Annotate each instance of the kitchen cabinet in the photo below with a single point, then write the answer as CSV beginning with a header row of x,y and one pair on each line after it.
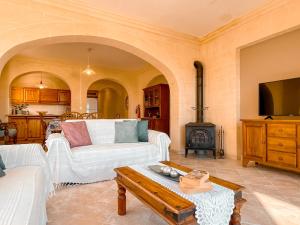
x,y
64,97
34,128
17,95
48,96
298,146
29,127
21,126
31,95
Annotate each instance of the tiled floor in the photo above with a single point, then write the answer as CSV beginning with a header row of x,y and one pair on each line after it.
x,y
273,197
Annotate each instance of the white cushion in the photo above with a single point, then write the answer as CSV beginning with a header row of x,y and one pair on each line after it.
x,y
101,131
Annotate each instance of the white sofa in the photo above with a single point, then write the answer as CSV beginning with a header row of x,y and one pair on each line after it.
x,y
87,164
26,186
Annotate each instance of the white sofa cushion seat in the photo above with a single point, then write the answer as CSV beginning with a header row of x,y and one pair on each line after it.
x,y
23,194
98,161
108,153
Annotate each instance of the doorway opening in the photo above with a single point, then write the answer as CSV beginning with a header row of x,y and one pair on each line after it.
x,y
108,98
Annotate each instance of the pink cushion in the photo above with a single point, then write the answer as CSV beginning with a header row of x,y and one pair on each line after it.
x,y
76,133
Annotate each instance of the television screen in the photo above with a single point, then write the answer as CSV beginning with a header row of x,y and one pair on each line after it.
x,y
280,98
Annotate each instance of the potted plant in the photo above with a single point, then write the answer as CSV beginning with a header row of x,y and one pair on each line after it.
x,y
19,108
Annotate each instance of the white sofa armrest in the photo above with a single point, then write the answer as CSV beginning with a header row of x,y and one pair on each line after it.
x,y
23,155
59,154
27,155
163,142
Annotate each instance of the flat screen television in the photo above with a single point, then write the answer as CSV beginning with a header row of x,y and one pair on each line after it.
x,y
280,98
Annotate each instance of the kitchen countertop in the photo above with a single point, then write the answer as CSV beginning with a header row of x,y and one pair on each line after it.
x,y
33,115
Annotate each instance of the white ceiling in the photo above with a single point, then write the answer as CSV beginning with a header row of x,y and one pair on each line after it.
x,y
101,56
195,17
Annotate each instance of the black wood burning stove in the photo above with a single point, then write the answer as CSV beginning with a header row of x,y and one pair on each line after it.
x,y
200,135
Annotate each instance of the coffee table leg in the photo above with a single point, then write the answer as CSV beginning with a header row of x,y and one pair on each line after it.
x,y
236,217
121,200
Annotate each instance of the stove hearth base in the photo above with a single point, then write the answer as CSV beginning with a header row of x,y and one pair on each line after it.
x,y
204,150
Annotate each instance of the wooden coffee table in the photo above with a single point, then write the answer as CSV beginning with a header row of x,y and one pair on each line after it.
x,y
170,206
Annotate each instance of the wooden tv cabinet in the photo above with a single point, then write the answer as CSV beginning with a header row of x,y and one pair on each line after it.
x,y
273,143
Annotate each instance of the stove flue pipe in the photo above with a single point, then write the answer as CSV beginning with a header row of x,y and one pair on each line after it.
x,y
199,94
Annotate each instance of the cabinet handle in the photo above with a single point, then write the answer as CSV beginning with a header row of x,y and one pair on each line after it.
x,y
280,158
280,144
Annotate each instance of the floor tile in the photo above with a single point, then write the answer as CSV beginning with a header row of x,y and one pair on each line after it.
x,y
273,197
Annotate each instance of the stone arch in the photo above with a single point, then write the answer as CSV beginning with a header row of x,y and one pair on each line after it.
x,y
126,45
97,79
92,39
157,79
129,88
16,76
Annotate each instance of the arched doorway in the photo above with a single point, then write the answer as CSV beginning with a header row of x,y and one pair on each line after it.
x,y
108,98
131,47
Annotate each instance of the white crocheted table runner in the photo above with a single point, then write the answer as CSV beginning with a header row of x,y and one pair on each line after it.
x,y
212,208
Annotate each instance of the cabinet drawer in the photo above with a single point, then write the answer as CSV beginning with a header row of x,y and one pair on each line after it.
x,y
282,158
282,144
281,130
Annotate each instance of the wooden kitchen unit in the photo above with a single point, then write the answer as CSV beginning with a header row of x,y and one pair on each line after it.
x,y
31,95
64,97
19,95
29,127
48,96
273,143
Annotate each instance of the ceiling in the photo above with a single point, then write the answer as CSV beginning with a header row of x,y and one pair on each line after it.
x,y
77,53
194,17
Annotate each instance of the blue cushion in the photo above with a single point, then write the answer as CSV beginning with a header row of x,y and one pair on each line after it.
x,y
2,166
142,128
126,132
2,173
2,133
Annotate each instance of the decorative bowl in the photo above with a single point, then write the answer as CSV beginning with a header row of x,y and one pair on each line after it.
x,y
167,170
172,175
